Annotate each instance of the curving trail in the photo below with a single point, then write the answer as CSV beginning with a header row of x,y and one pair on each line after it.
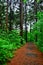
x,y
27,55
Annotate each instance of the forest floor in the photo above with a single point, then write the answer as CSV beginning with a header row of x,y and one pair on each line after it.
x,y
27,55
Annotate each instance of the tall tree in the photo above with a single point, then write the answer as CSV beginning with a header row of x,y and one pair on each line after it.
x,y
10,16
35,11
26,22
7,16
21,20
2,13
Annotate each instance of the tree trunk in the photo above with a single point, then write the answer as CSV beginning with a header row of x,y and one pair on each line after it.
x,y
21,20
7,17
0,24
25,23
35,8
10,22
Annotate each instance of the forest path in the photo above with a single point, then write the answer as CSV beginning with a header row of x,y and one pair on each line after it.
x,y
27,55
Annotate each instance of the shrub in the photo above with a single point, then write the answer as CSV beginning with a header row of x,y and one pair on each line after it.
x,y
30,37
38,30
5,51
9,42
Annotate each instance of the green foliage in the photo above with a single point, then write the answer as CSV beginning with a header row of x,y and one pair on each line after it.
x,y
38,1
9,42
24,1
5,51
40,15
30,37
38,30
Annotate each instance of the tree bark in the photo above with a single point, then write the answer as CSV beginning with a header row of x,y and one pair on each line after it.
x,y
35,8
21,20
10,22
25,23
7,17
0,24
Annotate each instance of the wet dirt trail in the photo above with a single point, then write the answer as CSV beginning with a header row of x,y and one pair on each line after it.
x,y
27,55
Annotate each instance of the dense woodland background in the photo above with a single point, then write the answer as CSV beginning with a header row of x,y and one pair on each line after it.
x,y
21,21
